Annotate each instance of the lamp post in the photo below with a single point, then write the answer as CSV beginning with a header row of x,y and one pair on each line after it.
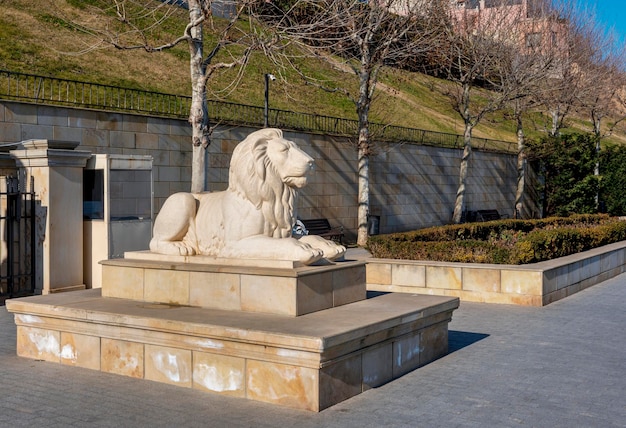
x,y
266,110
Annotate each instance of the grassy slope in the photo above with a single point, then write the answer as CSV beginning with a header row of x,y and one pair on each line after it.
x,y
33,40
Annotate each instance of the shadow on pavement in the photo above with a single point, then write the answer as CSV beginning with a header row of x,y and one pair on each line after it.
x,y
456,339
372,294
460,339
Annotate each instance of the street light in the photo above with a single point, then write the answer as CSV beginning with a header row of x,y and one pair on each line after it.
x,y
266,110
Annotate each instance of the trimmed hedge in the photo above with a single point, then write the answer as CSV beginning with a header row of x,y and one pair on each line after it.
x,y
502,241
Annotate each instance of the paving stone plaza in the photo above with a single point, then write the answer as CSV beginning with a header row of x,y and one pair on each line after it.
x,y
562,365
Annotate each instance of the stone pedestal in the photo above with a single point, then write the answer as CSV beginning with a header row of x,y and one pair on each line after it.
x,y
219,284
308,362
58,173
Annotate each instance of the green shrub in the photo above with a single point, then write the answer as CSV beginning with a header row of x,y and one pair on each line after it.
x,y
567,165
503,241
613,181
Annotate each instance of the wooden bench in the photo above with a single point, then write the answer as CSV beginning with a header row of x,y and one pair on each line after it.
x,y
321,227
488,215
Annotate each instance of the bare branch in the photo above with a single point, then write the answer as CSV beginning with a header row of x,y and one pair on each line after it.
x,y
147,25
360,37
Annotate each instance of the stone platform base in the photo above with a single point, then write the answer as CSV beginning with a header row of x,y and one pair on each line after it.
x,y
308,362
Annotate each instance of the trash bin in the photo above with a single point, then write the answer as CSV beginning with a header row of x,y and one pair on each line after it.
x,y
373,225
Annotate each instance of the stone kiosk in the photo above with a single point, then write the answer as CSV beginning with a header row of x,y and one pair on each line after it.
x,y
227,301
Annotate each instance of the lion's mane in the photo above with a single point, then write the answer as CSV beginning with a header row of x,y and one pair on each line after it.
x,y
253,177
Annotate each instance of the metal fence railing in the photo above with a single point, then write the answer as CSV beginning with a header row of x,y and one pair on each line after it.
x,y
51,90
24,87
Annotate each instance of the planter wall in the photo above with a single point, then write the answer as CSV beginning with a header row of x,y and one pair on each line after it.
x,y
536,284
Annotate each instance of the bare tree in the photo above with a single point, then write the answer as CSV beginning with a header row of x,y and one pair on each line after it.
x,y
478,56
526,78
620,111
361,38
537,60
589,74
602,78
138,24
585,66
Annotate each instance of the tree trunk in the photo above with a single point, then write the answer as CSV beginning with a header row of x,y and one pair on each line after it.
x,y
467,152
364,146
554,130
597,129
364,186
521,169
596,171
198,114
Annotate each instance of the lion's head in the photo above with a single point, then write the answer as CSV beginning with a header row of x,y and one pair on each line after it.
x,y
266,169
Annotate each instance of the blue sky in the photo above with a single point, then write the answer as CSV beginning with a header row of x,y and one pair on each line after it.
x,y
611,13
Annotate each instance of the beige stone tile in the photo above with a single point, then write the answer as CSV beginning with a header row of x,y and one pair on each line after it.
x,y
554,296
378,273
587,283
603,277
481,279
166,286
122,282
610,260
575,273
220,374
501,298
562,277
166,261
522,282
615,271
214,290
154,257
433,342
80,350
550,281
444,277
349,285
282,384
525,300
377,366
268,294
39,344
340,381
122,357
576,288
315,293
168,365
406,354
408,275
398,289
591,267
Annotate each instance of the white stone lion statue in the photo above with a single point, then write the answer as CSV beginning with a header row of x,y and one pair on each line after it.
x,y
254,217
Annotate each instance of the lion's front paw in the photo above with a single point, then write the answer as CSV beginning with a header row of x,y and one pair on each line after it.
x,y
307,254
330,250
337,252
172,248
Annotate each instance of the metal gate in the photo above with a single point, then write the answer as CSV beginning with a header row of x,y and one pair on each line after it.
x,y
17,239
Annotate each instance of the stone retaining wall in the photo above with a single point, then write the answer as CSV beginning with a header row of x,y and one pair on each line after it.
x,y
536,284
411,186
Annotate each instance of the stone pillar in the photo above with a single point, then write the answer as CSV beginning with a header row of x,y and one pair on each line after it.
x,y
58,174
